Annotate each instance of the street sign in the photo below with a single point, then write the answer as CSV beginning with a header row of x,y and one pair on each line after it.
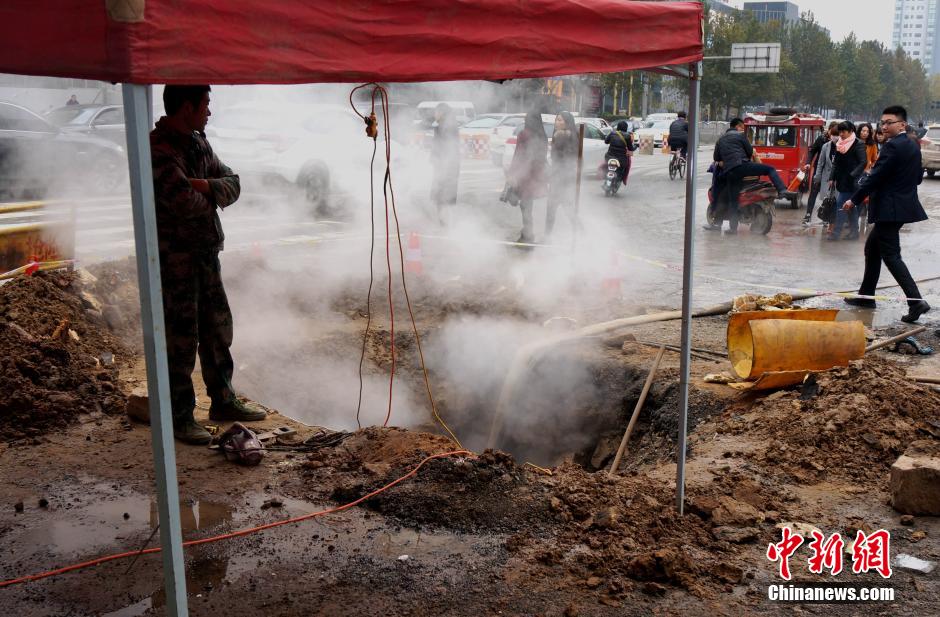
x,y
755,58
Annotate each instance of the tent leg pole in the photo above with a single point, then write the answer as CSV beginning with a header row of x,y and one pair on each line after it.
x,y
137,110
688,258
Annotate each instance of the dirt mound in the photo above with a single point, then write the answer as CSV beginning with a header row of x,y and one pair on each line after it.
x,y
597,530
56,362
115,287
855,424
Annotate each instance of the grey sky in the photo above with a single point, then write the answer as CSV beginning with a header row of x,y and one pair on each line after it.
x,y
869,19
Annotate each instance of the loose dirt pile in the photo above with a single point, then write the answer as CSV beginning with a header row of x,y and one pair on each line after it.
x,y
851,425
601,532
57,358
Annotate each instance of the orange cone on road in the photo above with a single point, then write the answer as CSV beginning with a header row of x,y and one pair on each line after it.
x,y
610,284
413,262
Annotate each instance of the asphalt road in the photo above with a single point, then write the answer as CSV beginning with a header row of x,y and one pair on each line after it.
x,y
644,224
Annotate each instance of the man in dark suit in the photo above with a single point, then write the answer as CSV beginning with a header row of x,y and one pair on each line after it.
x,y
892,185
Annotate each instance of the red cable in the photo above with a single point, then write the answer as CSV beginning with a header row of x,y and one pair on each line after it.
x,y
234,534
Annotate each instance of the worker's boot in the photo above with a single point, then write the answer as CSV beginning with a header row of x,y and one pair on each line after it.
x,y
235,411
188,431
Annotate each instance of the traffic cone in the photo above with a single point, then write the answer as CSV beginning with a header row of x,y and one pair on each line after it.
x,y
413,263
797,181
610,284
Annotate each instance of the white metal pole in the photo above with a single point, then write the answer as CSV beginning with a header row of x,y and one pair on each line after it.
x,y
688,258
137,112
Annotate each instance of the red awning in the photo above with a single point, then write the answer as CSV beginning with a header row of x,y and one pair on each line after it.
x,y
306,41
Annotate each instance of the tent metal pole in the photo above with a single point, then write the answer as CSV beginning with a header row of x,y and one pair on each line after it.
x,y
688,258
137,110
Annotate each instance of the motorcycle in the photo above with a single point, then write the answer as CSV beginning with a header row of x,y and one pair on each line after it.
x,y
613,177
755,203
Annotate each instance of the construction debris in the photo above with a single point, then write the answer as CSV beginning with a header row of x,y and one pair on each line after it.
x,y
915,479
753,302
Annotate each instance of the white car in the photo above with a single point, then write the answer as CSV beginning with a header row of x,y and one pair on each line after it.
x,y
594,146
599,123
487,132
656,130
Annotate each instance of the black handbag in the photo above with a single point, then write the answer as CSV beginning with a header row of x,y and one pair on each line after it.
x,y
827,210
509,195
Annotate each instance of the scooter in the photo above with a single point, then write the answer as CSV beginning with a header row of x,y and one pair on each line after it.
x,y
613,177
755,203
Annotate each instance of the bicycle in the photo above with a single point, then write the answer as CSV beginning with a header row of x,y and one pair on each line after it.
x,y
676,165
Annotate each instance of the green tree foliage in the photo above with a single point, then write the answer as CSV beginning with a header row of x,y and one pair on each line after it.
x,y
855,78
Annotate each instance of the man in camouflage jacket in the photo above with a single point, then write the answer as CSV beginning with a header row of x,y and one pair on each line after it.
x,y
190,183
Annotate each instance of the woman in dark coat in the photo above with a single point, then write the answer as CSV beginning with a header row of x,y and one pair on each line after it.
x,y
445,158
564,169
527,170
847,167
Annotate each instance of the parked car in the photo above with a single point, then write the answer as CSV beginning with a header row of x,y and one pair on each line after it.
x,y
930,150
105,121
487,132
310,149
594,146
599,123
36,156
656,130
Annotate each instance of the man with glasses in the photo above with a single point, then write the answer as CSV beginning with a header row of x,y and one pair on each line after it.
x,y
892,185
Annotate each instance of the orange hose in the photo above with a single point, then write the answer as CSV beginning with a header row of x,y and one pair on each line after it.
x,y
233,534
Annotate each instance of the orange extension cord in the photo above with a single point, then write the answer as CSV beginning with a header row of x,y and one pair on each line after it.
x,y
234,534
389,193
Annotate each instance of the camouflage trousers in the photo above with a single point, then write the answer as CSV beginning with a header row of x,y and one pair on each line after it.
x,y
197,317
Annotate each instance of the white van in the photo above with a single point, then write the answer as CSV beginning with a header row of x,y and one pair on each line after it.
x,y
463,111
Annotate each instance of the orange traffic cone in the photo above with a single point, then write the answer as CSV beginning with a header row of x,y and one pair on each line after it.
x,y
797,181
413,263
610,284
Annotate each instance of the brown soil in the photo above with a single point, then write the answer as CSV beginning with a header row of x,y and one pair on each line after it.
x,y
49,377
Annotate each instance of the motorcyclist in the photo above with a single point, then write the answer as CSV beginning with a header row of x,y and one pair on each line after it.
x,y
621,147
679,134
736,159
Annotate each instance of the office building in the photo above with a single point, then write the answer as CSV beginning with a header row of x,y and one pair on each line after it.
x,y
785,12
915,31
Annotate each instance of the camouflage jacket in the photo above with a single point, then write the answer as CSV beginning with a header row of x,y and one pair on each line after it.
x,y
187,221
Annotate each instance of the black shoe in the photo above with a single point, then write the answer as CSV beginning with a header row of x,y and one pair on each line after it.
x,y
807,219
785,194
190,432
236,411
914,311
711,227
860,302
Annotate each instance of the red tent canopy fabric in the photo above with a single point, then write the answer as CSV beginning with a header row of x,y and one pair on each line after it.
x,y
306,41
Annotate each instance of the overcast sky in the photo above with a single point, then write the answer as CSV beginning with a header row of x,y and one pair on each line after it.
x,y
869,19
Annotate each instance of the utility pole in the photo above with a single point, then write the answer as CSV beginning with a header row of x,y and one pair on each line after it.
x,y
630,98
646,94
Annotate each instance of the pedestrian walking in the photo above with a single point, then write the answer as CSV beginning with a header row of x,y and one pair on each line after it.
x,y
814,160
73,100
445,160
921,130
190,185
866,135
892,189
847,168
526,173
879,138
564,168
823,173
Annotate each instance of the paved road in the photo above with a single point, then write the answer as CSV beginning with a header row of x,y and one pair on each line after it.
x,y
645,221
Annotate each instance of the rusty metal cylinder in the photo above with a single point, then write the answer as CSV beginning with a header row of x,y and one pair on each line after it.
x,y
777,341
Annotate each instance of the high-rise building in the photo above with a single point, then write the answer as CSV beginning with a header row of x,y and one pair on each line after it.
x,y
785,12
915,31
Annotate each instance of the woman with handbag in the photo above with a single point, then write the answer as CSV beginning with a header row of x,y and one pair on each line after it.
x,y
526,175
822,176
847,167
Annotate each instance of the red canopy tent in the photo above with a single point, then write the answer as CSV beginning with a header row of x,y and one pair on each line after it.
x,y
140,42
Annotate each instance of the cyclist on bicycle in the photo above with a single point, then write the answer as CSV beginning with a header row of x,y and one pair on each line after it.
x,y
621,147
679,134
